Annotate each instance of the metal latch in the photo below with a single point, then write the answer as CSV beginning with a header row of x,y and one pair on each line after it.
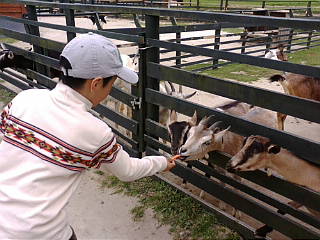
x,y
136,103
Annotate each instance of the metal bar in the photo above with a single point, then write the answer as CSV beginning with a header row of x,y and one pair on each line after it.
x,y
106,33
196,15
234,57
70,21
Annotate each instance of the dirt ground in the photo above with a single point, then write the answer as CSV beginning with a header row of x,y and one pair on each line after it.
x,y
104,215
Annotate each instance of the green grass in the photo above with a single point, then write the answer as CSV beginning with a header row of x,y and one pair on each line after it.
x,y
249,73
187,218
6,96
309,57
7,40
236,71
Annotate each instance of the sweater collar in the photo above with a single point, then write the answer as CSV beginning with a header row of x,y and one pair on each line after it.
x,y
66,94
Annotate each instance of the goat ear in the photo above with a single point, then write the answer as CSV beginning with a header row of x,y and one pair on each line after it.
x,y
194,119
173,116
274,149
218,137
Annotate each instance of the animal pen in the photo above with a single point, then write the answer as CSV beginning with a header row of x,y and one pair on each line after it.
x,y
145,99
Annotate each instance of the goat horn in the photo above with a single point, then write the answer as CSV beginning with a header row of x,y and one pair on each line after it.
x,y
215,125
189,95
172,87
3,47
167,89
206,120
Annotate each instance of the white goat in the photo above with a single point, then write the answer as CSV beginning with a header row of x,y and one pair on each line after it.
x,y
258,153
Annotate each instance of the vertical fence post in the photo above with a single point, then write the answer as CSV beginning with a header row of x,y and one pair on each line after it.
x,y
309,10
290,40
268,43
221,5
226,5
34,30
243,38
70,21
140,113
152,31
263,4
198,5
309,39
217,39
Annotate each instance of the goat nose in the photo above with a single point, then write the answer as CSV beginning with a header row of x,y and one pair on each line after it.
x,y
182,150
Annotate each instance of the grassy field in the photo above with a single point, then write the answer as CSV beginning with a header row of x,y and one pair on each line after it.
x,y
248,73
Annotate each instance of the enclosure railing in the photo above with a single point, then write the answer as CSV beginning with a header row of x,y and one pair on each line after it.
x,y
146,98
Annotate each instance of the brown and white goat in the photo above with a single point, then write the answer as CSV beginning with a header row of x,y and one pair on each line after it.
x,y
258,153
299,86
178,130
277,54
204,138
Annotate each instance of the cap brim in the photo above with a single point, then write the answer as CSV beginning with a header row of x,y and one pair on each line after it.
x,y
128,75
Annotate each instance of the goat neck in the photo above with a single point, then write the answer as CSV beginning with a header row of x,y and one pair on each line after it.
x,y
295,169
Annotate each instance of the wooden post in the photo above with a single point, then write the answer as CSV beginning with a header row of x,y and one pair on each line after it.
x,y
243,38
309,39
226,5
178,53
290,40
70,21
198,5
268,43
139,114
221,5
34,30
309,10
152,55
263,4
217,39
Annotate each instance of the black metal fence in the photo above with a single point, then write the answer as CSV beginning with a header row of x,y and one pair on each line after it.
x,y
146,98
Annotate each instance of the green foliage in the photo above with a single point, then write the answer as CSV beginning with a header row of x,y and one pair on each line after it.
x,y
187,218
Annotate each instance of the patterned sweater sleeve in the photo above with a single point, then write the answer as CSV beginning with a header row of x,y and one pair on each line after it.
x,y
114,159
4,118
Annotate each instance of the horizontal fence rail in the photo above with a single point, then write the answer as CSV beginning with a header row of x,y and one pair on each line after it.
x,y
145,135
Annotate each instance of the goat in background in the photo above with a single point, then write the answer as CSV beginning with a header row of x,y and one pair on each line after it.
x,y
293,84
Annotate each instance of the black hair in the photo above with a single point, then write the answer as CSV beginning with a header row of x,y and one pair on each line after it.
x,y
76,83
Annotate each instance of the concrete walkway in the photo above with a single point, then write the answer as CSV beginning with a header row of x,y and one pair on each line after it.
x,y
97,213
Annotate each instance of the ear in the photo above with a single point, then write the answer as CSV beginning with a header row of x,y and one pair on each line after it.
x,y
194,119
95,83
173,116
274,149
218,137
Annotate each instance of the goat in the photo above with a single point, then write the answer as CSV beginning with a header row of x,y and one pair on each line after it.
x,y
258,152
277,54
178,130
299,86
204,138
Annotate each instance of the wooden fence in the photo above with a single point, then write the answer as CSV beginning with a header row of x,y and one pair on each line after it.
x,y
146,98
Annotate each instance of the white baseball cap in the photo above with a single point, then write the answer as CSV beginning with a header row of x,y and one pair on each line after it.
x,y
92,55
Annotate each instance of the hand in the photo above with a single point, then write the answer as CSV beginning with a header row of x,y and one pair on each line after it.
x,y
170,164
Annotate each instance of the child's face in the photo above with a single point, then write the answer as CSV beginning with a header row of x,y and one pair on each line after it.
x,y
99,91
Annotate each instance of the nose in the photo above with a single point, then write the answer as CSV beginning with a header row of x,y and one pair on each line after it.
x,y
182,150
